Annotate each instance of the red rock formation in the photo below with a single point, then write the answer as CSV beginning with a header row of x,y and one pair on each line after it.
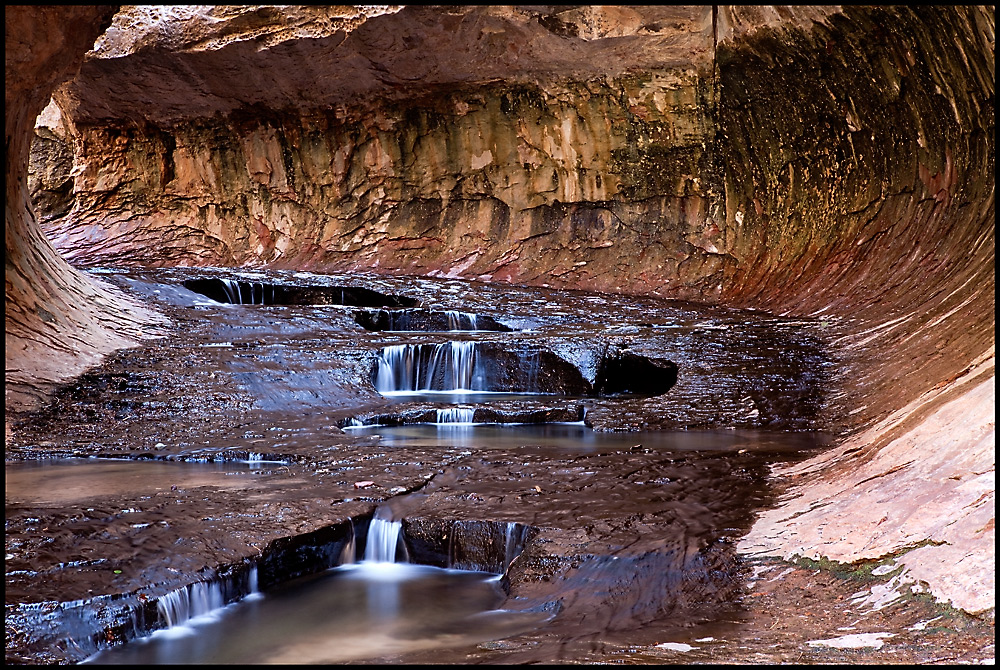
x,y
829,163
58,321
488,125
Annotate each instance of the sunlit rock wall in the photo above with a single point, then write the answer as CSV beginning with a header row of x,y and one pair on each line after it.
x,y
495,143
859,161
57,321
859,170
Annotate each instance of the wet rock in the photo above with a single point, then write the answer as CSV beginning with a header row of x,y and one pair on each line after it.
x,y
629,373
426,320
835,163
476,366
486,546
260,293
46,298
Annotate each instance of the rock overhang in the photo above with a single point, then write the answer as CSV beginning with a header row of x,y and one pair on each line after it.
x,y
200,62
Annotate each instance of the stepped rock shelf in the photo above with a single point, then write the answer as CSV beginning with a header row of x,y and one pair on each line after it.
x,y
296,411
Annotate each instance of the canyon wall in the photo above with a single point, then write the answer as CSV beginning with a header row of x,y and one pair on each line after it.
x,y
487,142
859,167
832,163
58,321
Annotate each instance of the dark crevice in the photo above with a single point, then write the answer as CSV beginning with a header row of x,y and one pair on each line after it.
x,y
628,373
405,320
260,293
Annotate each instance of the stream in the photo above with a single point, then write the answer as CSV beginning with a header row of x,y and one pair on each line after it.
x,y
567,473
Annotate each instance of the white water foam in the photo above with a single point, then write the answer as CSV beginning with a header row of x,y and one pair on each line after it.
x,y
456,415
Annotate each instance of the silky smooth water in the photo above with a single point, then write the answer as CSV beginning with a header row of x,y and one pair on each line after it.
x,y
65,480
650,508
360,612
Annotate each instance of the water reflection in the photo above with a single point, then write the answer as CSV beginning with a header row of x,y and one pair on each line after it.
x,y
458,396
59,481
365,611
576,436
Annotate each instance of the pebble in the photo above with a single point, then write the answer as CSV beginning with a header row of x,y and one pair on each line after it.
x,y
855,641
675,646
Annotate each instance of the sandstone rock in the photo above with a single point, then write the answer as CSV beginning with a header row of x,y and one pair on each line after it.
x,y
831,163
58,321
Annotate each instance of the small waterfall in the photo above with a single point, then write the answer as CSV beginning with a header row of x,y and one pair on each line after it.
x,y
349,552
449,366
384,538
232,290
456,415
514,540
487,546
531,363
252,587
190,601
461,320
509,545
397,320
247,293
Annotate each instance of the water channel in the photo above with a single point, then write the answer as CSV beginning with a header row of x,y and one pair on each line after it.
x,y
624,442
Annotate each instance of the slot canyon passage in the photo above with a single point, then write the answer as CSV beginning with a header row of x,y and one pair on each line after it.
x,y
676,320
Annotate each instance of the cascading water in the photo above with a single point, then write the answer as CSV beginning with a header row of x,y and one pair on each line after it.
x,y
252,294
188,602
449,366
461,320
201,598
384,539
349,552
468,541
453,415
514,541
532,365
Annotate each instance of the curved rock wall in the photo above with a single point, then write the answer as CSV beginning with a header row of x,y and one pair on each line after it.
x,y
58,321
859,159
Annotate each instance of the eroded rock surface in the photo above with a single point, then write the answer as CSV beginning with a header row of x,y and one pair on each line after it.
x,y
832,163
223,451
58,321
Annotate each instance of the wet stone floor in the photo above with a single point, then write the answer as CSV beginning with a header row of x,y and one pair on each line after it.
x,y
569,472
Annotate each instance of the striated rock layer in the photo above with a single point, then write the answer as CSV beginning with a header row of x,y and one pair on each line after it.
x,y
456,141
835,163
859,187
58,321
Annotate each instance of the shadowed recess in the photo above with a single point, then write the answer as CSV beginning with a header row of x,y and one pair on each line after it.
x,y
261,293
426,320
